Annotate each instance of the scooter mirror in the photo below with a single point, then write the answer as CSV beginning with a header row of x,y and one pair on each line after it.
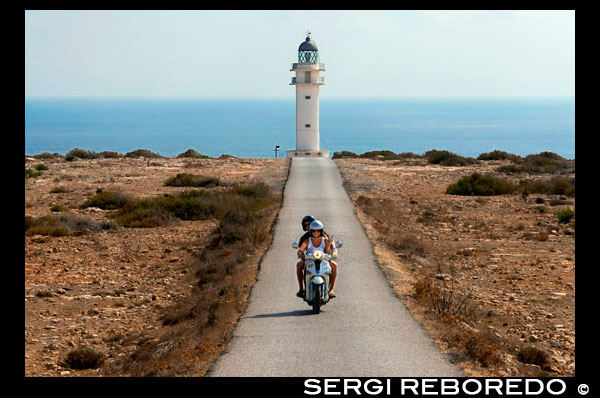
x,y
295,245
338,243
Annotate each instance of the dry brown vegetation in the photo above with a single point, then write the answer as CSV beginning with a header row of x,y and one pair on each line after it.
x,y
106,297
489,272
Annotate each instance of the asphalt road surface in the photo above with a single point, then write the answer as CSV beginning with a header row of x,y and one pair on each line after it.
x,y
366,331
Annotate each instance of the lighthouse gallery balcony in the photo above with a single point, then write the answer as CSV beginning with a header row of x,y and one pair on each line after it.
x,y
308,66
320,81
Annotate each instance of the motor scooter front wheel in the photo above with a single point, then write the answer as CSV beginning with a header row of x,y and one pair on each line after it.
x,y
317,298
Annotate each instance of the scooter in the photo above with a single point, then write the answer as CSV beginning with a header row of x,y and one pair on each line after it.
x,y
317,273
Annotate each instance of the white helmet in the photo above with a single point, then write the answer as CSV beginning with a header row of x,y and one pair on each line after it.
x,y
316,225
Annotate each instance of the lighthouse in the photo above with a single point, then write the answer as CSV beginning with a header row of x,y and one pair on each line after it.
x,y
307,82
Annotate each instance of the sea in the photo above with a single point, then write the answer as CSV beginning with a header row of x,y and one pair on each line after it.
x,y
253,128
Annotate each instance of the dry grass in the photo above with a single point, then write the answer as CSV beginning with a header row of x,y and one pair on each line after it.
x,y
197,326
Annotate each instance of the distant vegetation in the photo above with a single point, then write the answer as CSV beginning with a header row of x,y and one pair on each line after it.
x,y
78,153
142,153
544,162
189,205
191,180
63,225
499,155
190,153
481,185
446,158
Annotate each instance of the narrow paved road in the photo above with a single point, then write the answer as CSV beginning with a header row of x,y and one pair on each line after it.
x,y
365,331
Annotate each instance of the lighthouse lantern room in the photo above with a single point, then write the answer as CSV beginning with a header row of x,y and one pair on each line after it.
x,y
307,82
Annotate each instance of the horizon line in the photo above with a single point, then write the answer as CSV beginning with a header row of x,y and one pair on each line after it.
x,y
326,98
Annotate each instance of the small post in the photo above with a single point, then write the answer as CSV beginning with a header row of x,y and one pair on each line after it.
x,y
276,150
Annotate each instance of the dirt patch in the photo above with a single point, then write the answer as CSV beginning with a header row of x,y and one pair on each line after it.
x,y
504,263
108,293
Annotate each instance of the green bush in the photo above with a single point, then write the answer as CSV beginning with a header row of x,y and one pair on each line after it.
x,y
32,173
190,153
344,154
57,208
446,158
481,185
194,205
190,180
107,200
81,154
146,218
63,225
41,167
564,216
142,153
47,156
543,162
553,186
382,155
110,155
498,155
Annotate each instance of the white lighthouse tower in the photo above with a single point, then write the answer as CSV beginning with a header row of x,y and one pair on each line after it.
x,y
307,82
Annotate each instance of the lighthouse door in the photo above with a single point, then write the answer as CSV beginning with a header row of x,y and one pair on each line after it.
x,y
306,77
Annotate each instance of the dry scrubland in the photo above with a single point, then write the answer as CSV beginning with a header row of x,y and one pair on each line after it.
x,y
120,253
140,266
481,251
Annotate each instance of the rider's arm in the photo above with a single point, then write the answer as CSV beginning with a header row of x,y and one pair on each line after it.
x,y
302,248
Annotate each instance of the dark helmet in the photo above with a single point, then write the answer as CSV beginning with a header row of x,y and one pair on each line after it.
x,y
307,220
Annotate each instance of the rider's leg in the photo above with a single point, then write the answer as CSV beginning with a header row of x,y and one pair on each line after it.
x,y
333,275
299,274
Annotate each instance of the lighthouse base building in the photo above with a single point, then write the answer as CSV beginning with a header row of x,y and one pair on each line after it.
x,y
307,82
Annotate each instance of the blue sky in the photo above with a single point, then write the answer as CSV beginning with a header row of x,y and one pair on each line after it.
x,y
248,54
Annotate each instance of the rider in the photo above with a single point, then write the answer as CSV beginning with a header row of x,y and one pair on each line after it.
x,y
306,220
319,241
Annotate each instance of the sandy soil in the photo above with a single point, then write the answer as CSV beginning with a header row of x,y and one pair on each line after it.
x,y
517,262
106,289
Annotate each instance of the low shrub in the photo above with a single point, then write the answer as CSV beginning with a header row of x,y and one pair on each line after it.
x,y
57,208
41,167
32,173
84,358
498,155
146,218
481,185
446,158
110,155
554,186
142,153
533,355
344,154
543,162
380,155
81,154
191,180
190,153
564,216
107,200
47,156
193,205
63,225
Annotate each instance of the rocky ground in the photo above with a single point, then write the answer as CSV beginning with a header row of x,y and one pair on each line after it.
x,y
512,263
107,289
509,262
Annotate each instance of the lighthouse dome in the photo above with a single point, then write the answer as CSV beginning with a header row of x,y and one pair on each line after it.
x,y
308,51
308,45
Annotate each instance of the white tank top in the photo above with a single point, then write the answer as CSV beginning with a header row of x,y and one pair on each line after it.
x,y
312,248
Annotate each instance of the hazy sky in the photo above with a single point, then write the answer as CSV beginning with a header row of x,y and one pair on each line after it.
x,y
248,54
